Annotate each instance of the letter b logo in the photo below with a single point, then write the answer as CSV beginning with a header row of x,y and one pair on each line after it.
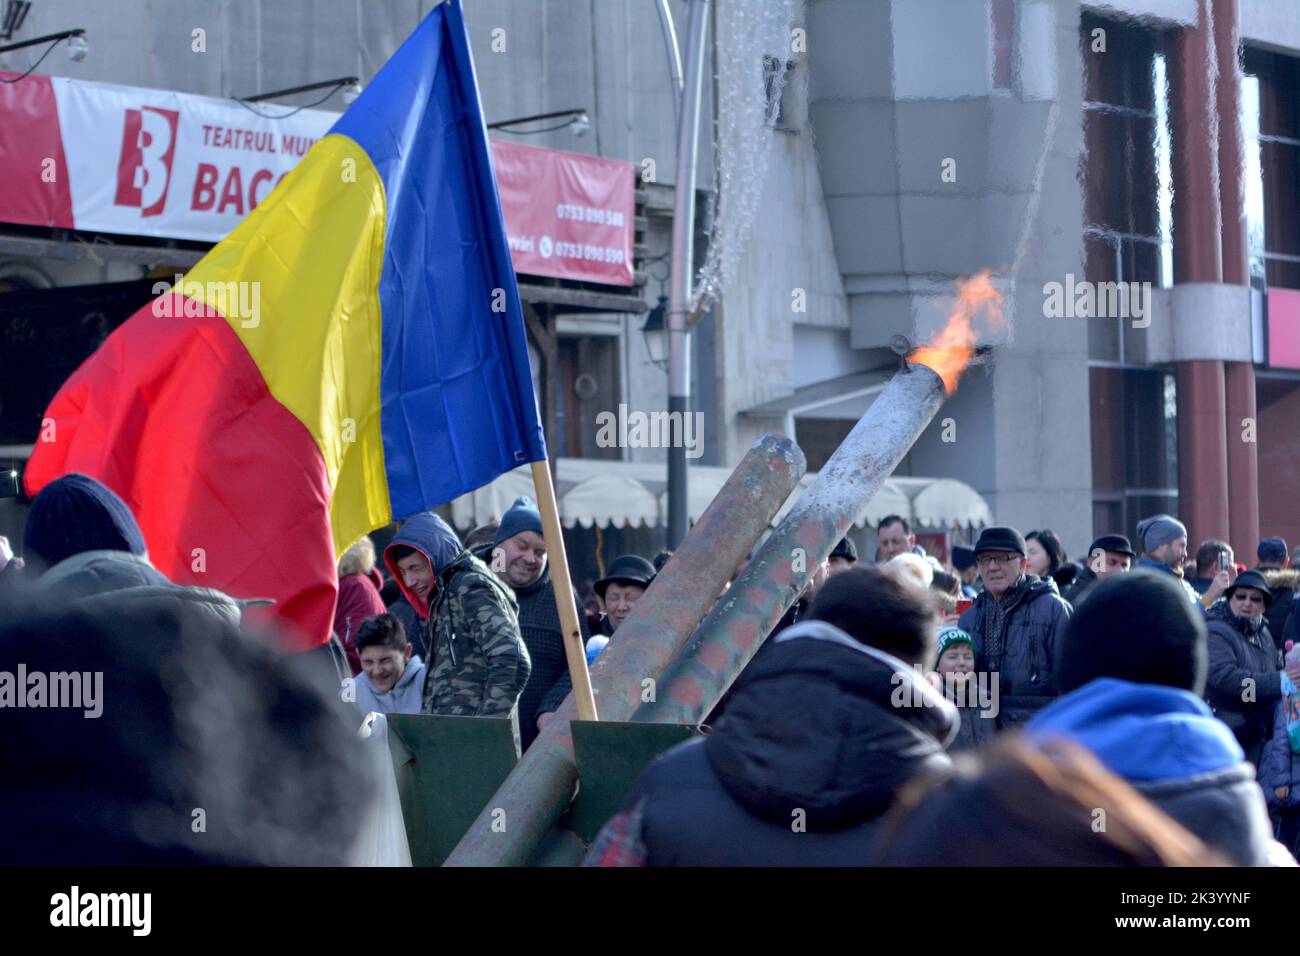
x,y
144,170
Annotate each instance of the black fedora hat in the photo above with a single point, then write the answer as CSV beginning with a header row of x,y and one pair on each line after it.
x,y
1251,579
626,569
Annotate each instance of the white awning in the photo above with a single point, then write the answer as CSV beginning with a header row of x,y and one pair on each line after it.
x,y
623,493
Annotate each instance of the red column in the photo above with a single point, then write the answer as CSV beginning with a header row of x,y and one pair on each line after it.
x,y
1202,409
1202,451
1243,460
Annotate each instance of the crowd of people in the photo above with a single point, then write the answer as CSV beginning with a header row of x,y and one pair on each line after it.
x,y
1137,684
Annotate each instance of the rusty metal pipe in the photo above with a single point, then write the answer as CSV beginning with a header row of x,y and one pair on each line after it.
x,y
732,633
542,783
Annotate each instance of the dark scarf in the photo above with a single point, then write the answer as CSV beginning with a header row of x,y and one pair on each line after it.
x,y
996,614
1247,627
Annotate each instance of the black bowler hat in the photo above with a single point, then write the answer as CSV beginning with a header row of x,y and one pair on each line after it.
x,y
963,556
1112,542
846,549
626,569
1251,579
1001,539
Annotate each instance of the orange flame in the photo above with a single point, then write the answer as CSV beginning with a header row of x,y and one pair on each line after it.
x,y
950,351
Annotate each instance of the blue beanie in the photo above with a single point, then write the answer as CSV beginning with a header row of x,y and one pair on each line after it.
x,y
76,513
522,516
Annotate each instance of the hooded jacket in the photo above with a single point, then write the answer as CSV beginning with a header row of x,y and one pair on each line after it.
x,y
479,663
405,697
1283,584
1242,665
1031,646
1169,747
1084,582
819,736
1279,765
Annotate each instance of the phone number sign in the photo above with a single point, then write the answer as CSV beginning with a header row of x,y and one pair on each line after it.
x,y
568,215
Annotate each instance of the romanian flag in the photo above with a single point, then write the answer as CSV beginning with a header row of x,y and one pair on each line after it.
x,y
352,353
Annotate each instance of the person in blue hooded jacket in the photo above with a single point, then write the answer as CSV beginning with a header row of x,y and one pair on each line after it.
x,y
1279,775
1132,671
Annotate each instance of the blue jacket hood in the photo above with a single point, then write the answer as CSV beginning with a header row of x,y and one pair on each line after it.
x,y
1141,731
432,537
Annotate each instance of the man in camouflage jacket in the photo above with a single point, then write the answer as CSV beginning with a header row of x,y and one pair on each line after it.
x,y
478,662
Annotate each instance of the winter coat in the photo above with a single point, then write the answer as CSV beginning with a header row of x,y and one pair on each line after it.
x,y
563,686
820,735
112,579
1279,765
539,625
1242,665
405,697
1150,564
1031,646
1282,583
1078,591
480,664
1170,748
975,731
358,599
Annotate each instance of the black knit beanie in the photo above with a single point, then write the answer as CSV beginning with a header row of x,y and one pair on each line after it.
x,y
1137,627
75,513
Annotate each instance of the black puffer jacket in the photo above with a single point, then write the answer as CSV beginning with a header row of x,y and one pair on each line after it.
x,y
818,738
1031,646
1283,584
1244,682
1078,591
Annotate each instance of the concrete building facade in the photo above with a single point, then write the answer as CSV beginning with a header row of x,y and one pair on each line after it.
x,y
920,142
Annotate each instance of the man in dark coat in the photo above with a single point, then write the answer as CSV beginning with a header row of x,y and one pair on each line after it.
x,y
820,735
1245,681
517,555
1274,564
1017,622
628,577
1132,672
1109,554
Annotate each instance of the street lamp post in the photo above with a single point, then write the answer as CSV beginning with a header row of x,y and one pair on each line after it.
x,y
683,264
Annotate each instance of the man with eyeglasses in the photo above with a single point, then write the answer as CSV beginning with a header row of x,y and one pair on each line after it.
x,y
1017,622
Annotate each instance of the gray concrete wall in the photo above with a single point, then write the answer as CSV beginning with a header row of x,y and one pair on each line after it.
x,y
892,98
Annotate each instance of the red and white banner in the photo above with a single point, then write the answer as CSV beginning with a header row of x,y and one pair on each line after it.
x,y
567,215
129,160
141,162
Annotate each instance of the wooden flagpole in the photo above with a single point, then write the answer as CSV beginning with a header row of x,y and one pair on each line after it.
x,y
574,651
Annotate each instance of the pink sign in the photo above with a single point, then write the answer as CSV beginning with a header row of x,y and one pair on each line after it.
x,y
568,216
1284,328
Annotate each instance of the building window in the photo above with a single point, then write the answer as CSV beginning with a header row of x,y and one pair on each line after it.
x,y
1128,237
1271,128
1003,13
1134,447
1128,172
